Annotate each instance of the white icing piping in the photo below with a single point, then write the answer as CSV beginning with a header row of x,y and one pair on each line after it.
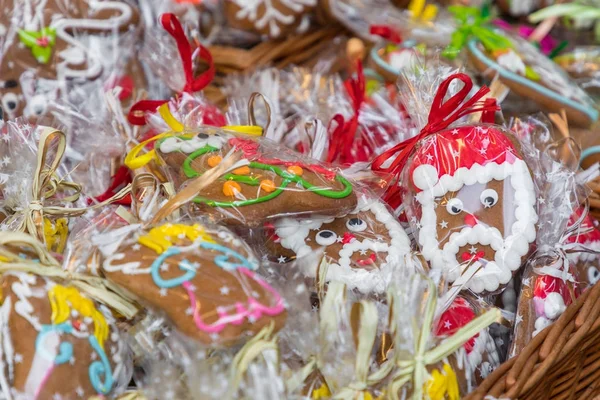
x,y
515,246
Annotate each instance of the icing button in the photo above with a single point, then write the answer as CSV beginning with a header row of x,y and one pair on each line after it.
x,y
267,185
213,161
230,188
296,170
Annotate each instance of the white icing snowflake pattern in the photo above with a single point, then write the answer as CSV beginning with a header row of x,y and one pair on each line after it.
x,y
272,16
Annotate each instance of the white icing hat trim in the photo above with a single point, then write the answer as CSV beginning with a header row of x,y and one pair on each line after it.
x,y
516,245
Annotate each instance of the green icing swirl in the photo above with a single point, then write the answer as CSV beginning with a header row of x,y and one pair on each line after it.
x,y
253,181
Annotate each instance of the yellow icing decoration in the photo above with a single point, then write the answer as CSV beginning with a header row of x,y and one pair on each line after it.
x,y
230,188
419,9
443,385
56,234
64,299
160,238
322,392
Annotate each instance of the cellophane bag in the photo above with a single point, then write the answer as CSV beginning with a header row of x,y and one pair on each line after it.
x,y
255,179
550,280
203,278
470,193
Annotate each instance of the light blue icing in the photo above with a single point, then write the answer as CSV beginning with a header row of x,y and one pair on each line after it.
x,y
100,368
222,260
591,113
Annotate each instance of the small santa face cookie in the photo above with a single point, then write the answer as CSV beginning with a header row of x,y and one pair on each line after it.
x,y
57,343
473,201
43,46
586,265
478,357
274,18
529,73
260,186
362,247
204,280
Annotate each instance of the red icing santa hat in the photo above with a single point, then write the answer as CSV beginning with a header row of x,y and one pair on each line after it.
x,y
447,152
455,317
588,230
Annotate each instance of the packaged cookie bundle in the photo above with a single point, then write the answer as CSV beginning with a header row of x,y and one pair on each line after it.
x,y
50,47
469,194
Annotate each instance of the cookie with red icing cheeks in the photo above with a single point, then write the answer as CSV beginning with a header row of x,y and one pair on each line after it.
x,y
265,183
362,247
203,279
473,199
586,264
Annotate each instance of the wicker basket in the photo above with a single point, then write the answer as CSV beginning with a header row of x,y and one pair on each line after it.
x,y
561,362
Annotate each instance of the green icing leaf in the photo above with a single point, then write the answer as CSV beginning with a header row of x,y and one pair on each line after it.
x,y
40,43
531,74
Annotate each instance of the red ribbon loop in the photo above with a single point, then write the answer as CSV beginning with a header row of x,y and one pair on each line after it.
x,y
442,115
121,178
171,24
343,135
386,32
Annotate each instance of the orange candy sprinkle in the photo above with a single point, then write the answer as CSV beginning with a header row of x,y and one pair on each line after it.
x,y
267,185
213,161
296,170
245,170
230,188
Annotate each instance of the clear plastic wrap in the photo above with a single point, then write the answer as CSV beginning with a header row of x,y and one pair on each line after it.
x,y
57,343
586,263
362,248
51,47
203,278
583,65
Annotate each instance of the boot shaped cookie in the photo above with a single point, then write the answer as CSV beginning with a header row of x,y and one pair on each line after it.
x,y
362,247
40,48
473,199
261,185
205,281
57,343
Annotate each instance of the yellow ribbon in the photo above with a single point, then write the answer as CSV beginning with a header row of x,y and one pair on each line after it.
x,y
420,10
415,369
134,161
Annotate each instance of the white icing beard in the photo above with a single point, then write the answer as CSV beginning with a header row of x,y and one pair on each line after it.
x,y
508,251
293,234
172,144
473,361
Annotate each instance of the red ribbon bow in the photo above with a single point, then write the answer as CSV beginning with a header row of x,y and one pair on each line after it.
x,y
442,114
386,32
172,25
343,135
121,178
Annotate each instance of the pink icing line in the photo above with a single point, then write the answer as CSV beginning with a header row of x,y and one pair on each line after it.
x,y
254,309
43,383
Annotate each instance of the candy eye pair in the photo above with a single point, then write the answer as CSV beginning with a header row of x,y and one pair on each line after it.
x,y
327,237
488,198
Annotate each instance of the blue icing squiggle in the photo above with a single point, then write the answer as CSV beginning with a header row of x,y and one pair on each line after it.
x,y
100,368
65,352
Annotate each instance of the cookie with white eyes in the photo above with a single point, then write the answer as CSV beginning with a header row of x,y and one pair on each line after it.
x,y
362,247
46,47
586,264
473,200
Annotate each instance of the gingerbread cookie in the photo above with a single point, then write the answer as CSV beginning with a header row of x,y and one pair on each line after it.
x,y
525,70
389,60
42,46
478,357
473,200
274,18
57,343
203,280
586,264
362,247
259,186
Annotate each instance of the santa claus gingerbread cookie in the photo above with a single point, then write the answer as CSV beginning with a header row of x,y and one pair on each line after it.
x,y
586,263
263,184
204,280
473,200
57,343
42,47
361,248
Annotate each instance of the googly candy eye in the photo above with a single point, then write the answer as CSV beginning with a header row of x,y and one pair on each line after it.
x,y
326,238
356,225
593,275
454,206
489,198
10,101
36,106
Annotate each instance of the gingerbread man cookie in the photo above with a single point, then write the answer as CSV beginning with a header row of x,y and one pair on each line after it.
x,y
203,280
42,48
57,343
473,201
362,247
257,187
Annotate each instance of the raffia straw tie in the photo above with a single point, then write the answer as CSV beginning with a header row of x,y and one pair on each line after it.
x,y
415,369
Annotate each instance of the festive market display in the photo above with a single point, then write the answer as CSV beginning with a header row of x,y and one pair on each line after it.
x,y
299,199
